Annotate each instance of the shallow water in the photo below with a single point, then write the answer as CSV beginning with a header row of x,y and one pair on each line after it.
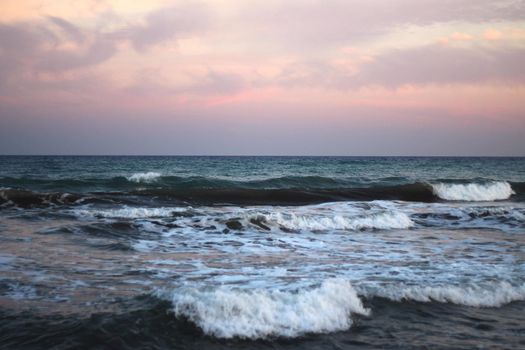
x,y
134,252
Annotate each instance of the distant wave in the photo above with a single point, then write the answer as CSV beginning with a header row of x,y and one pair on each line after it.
x,y
144,177
199,191
130,212
497,190
227,312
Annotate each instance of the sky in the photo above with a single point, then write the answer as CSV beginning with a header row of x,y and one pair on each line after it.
x,y
263,77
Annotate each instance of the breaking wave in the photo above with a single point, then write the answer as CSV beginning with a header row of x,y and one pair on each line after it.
x,y
383,220
207,191
130,212
226,312
305,218
144,177
497,190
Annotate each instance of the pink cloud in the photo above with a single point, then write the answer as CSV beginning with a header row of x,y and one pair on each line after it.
x,y
492,34
308,74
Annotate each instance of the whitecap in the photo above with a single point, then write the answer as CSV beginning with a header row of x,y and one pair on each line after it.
x,y
144,177
227,312
130,212
490,191
381,220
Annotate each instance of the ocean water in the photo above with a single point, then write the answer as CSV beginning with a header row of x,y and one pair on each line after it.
x,y
262,252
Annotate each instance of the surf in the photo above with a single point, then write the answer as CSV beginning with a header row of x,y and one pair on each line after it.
x,y
490,191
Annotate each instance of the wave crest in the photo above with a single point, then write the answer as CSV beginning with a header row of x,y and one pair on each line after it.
x,y
497,190
144,177
308,218
478,295
383,220
226,312
130,212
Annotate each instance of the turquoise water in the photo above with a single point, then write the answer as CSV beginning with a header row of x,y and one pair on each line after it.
x,y
351,170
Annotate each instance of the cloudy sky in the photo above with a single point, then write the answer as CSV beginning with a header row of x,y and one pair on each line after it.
x,y
309,77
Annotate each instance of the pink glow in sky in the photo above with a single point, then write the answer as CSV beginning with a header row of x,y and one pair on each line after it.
x,y
376,77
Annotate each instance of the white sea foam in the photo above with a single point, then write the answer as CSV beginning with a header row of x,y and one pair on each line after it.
x,y
492,294
307,218
130,212
490,191
226,312
381,220
144,177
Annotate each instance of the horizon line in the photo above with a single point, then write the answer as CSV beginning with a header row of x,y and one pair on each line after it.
x,y
261,155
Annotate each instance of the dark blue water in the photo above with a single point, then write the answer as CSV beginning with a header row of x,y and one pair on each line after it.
x,y
262,252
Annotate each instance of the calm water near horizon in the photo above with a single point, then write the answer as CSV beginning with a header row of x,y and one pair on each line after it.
x,y
193,252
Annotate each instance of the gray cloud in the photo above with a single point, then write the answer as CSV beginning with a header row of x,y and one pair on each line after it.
x,y
35,46
72,31
213,83
436,64
318,24
217,83
21,37
19,43
166,24
56,60
432,64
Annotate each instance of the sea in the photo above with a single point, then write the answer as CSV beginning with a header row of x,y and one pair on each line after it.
x,y
197,252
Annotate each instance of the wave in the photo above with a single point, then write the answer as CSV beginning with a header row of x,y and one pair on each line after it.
x,y
226,312
383,220
494,294
147,187
326,217
497,190
130,212
144,177
290,196
26,198
331,216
